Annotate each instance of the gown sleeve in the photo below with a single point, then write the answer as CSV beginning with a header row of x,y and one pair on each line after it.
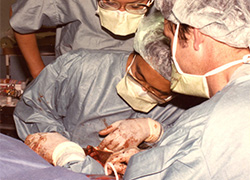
x,y
45,101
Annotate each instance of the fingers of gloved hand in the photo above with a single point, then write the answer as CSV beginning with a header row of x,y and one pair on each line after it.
x,y
120,160
130,132
112,142
130,152
120,168
110,128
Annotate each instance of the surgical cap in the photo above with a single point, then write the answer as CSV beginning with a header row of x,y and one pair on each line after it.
x,y
227,21
152,45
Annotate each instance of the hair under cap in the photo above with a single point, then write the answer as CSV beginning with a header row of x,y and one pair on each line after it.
x,y
227,21
152,45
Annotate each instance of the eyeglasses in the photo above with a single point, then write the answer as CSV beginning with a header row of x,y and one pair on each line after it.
x,y
150,92
134,8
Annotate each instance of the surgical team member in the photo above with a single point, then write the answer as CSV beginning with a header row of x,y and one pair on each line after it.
x,y
78,98
211,58
87,24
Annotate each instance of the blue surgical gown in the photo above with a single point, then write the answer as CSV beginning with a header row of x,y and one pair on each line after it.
x,y
209,141
77,22
76,96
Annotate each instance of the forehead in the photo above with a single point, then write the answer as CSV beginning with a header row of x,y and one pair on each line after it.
x,y
150,76
129,1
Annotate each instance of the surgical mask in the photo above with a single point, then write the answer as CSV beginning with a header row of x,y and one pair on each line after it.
x,y
119,22
191,84
133,93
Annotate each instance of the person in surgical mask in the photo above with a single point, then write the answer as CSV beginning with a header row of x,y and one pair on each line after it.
x,y
210,43
74,100
122,18
91,24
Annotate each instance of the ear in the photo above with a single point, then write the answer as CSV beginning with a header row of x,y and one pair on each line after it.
x,y
198,39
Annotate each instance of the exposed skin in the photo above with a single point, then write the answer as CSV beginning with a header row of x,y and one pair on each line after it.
x,y
199,55
148,77
124,2
125,133
202,54
29,48
28,45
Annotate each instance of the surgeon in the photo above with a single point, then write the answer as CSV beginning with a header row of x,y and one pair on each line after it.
x,y
211,58
91,24
116,94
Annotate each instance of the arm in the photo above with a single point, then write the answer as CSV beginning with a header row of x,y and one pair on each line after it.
x,y
59,151
29,48
45,101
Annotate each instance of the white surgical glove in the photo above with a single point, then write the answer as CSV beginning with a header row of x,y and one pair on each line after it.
x,y
55,148
120,160
129,133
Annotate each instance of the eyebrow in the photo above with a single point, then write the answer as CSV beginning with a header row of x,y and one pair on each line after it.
x,y
138,70
135,1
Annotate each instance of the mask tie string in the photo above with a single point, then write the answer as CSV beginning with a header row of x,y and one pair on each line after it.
x,y
129,67
113,168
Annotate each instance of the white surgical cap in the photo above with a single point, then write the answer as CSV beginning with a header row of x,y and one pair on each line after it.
x,y
227,21
152,45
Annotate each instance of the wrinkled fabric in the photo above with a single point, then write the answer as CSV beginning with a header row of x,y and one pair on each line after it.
x,y
18,161
77,22
227,21
209,141
76,96
151,43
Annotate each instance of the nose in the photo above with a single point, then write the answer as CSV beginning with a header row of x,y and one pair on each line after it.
x,y
122,8
144,89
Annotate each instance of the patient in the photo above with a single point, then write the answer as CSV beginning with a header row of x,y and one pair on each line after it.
x,y
77,98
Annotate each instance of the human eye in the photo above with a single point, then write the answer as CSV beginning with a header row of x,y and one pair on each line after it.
x,y
138,74
110,3
137,6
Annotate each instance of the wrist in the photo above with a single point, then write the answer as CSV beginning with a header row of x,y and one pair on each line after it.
x,y
66,152
156,131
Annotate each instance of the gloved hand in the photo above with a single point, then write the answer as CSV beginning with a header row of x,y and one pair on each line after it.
x,y
55,148
120,160
130,133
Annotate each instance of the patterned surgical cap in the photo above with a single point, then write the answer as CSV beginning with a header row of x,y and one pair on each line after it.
x,y
152,45
227,21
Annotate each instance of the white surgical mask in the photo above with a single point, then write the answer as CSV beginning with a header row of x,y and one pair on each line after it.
x,y
133,93
191,84
119,22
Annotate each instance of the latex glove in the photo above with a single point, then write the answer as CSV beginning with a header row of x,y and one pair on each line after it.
x,y
55,148
120,160
130,133
99,155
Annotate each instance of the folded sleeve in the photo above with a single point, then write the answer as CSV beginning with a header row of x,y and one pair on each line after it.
x,y
30,15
